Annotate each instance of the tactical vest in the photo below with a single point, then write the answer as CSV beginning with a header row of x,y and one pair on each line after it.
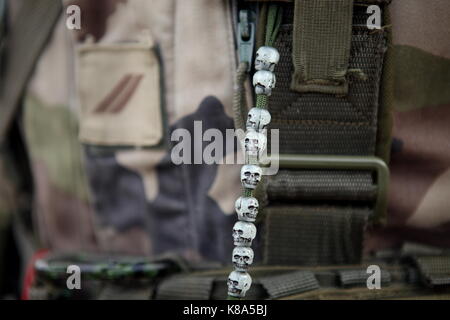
x,y
333,107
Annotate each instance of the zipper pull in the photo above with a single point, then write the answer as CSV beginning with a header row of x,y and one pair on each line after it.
x,y
246,37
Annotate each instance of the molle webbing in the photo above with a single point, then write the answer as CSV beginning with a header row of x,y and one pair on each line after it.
x,y
321,45
435,270
319,216
289,283
315,123
324,282
359,277
314,235
185,288
291,185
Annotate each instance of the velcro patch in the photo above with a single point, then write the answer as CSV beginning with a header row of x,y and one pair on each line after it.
x,y
119,92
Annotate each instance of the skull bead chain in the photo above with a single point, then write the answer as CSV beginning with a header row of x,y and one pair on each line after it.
x,y
254,143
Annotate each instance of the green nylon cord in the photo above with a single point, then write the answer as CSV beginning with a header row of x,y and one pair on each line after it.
x,y
239,99
274,17
247,192
261,101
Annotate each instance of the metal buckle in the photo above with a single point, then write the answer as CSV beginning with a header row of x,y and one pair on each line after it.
x,y
346,163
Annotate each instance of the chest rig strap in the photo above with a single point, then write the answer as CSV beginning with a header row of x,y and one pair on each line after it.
x,y
331,184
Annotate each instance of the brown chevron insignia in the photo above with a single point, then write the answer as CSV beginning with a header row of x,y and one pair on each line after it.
x,y
117,99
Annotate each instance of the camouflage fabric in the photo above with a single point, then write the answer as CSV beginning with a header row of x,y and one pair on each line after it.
x,y
129,197
418,205
7,208
126,196
103,277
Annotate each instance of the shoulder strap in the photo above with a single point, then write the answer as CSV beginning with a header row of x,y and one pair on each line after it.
x,y
316,213
24,43
321,45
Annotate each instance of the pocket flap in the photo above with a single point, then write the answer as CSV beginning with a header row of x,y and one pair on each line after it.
x,y
119,91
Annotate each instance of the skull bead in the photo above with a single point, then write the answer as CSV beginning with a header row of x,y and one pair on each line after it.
x,y
250,176
243,234
242,258
264,81
247,208
258,119
254,143
238,284
266,58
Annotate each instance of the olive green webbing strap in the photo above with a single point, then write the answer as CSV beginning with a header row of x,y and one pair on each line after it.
x,y
315,123
25,41
319,216
314,235
321,45
239,97
322,185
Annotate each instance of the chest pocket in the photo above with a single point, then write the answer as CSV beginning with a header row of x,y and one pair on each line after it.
x,y
120,95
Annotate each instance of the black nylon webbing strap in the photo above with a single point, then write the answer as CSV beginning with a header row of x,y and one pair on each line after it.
x,y
290,185
25,41
321,45
314,235
289,284
359,277
314,123
318,217
435,270
185,287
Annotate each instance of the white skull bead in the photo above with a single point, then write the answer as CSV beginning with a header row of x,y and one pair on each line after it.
x,y
242,258
264,81
254,143
258,119
243,234
266,58
250,176
238,284
247,208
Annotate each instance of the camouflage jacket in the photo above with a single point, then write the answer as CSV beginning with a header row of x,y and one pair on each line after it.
x,y
103,177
